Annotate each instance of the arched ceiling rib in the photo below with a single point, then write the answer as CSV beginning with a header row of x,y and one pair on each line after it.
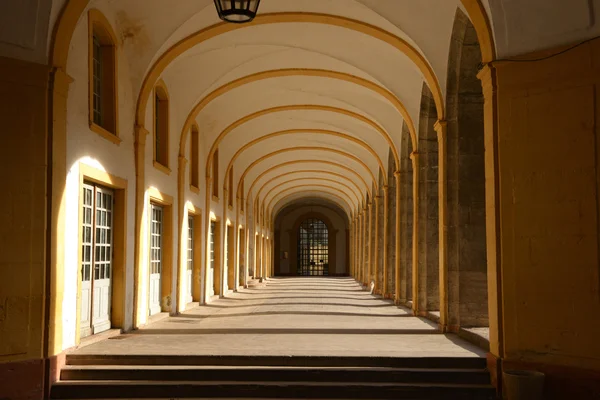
x,y
307,137
271,189
310,190
315,153
314,196
308,115
302,164
238,98
312,174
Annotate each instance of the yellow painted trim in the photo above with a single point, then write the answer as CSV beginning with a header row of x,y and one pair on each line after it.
x,y
350,170
282,201
161,168
287,73
102,177
306,179
97,19
312,107
310,131
481,21
163,87
310,185
159,197
104,133
307,148
289,17
339,176
193,209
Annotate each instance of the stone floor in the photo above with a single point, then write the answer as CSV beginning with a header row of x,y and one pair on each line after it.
x,y
292,316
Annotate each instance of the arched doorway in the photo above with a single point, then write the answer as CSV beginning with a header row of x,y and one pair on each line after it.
x,y
313,248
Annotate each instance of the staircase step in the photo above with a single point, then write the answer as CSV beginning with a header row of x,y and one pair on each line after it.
x,y
281,361
273,374
287,390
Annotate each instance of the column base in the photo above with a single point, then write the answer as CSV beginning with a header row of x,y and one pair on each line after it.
x,y
561,381
30,379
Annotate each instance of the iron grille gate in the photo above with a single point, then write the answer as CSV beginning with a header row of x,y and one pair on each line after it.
x,y
313,248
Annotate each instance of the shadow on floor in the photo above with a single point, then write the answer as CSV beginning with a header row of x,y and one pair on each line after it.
x,y
276,331
309,313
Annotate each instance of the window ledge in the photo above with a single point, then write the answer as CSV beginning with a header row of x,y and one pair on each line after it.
x,y
195,189
230,207
104,133
161,167
215,198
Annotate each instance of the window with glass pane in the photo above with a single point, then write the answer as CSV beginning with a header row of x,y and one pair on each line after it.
x,y
313,248
156,240
97,80
213,226
103,242
190,248
157,126
86,234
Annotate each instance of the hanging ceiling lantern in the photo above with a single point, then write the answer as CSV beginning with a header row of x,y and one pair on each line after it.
x,y
237,11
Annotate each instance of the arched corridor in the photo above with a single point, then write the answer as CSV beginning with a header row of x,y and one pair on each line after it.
x,y
185,168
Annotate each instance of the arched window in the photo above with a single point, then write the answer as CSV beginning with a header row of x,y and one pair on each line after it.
x,y
215,175
313,248
194,158
102,65
161,128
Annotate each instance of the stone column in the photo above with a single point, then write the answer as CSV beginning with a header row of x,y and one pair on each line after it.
x,y
357,242
369,266
398,238
386,211
364,250
414,156
376,255
359,256
441,129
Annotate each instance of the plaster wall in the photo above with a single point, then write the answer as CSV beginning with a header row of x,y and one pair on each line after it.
x,y
87,147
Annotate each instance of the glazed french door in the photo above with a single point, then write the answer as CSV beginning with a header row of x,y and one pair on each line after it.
x,y
156,257
96,259
210,285
190,259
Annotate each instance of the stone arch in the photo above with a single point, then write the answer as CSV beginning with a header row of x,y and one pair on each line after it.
x,y
467,263
428,298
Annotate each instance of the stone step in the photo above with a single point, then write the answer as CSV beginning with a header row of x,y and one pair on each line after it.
x,y
280,390
273,374
281,361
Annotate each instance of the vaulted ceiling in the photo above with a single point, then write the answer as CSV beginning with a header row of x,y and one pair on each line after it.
x,y
310,98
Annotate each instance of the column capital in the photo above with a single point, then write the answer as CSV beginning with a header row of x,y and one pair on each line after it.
x,y
182,160
414,155
441,128
386,189
140,134
397,174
